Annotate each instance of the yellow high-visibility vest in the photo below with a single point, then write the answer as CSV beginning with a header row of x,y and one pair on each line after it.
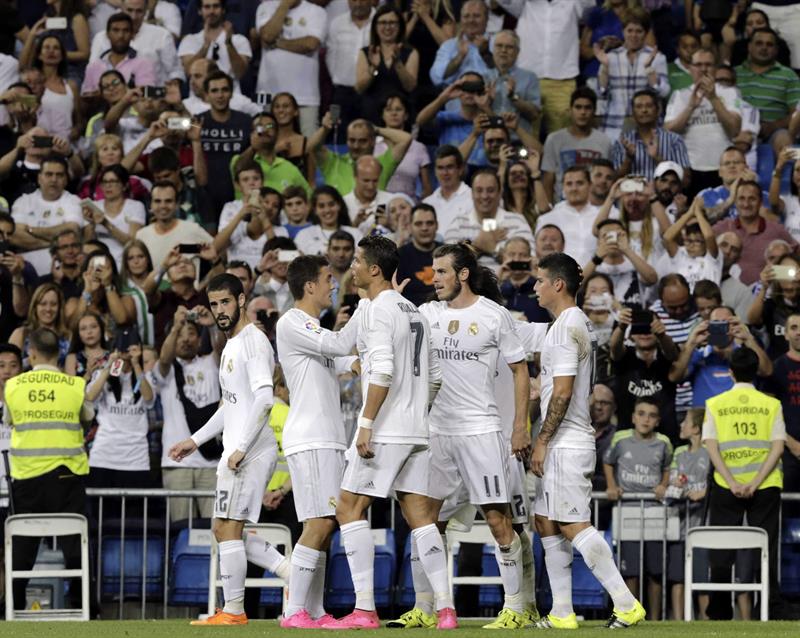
x,y
45,407
277,419
744,418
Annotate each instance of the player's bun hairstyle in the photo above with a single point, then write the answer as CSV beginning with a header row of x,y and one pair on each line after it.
x,y
227,282
744,365
302,270
482,281
381,252
562,266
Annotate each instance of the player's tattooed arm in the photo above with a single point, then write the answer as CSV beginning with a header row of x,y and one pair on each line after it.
x,y
555,414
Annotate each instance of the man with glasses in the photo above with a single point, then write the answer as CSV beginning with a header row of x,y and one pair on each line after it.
x,y
65,271
708,117
120,56
516,90
217,41
150,41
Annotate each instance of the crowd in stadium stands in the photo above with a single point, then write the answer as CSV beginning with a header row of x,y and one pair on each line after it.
x,y
148,145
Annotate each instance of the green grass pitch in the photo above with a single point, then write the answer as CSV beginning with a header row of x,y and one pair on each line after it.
x,y
469,629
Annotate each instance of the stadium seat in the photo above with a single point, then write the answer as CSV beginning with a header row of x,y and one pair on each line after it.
x,y
405,584
339,592
489,596
790,557
189,575
134,550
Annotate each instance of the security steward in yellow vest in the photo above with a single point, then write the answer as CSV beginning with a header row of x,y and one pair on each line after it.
x,y
744,433
48,461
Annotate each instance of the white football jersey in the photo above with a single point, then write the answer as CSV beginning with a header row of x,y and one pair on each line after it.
x,y
312,358
394,339
247,364
570,350
531,335
469,342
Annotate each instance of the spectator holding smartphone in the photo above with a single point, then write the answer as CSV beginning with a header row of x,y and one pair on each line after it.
x,y
88,349
778,297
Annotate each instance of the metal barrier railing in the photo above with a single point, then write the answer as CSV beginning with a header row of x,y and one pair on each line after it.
x,y
148,495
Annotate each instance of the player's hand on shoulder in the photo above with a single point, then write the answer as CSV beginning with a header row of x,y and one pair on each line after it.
x,y
181,450
401,286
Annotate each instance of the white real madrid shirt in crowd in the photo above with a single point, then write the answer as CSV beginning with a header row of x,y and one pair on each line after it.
x,y
704,135
345,39
468,226
627,288
470,343
193,42
576,226
247,364
153,42
184,232
239,102
283,70
167,14
132,212
314,239
122,426
459,203
569,350
201,388
34,211
243,247
693,268
394,347
355,206
312,358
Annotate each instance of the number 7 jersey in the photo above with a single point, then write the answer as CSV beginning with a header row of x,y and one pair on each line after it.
x,y
395,351
570,350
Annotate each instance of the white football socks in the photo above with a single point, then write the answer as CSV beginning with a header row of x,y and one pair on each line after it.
x,y
558,560
360,547
422,586
433,558
232,571
509,560
304,563
263,554
598,557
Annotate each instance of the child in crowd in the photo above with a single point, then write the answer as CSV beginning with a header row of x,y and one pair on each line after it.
x,y
698,258
638,460
296,210
688,479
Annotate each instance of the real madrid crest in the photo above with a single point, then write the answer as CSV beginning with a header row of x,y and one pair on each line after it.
x,y
473,328
288,21
230,365
452,327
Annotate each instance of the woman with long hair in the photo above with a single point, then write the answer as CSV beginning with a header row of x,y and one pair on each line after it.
x,y
138,279
291,144
596,299
416,162
75,36
108,151
777,298
61,96
114,219
387,65
46,310
329,214
632,67
88,348
521,182
122,396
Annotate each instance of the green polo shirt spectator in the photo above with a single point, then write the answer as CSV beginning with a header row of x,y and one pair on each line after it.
x,y
679,78
774,92
279,175
337,170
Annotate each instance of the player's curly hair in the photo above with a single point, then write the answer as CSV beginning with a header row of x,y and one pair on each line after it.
x,y
482,281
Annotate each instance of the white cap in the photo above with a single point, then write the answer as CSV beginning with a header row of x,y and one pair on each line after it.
x,y
666,167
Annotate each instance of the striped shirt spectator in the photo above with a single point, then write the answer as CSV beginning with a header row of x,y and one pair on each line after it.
x,y
774,92
671,148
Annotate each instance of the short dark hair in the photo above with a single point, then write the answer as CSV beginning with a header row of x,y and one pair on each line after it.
x,y
45,342
486,171
651,400
165,184
342,235
163,159
611,222
707,289
693,229
672,279
425,207
11,348
56,159
303,270
119,17
748,183
381,252
247,165
217,75
552,227
278,243
448,150
562,266
602,161
768,30
227,282
583,93
648,93
238,263
293,191
577,168
6,217
744,364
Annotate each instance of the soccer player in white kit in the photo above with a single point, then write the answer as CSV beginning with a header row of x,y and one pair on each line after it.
x,y
471,331
400,377
314,438
250,451
564,451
